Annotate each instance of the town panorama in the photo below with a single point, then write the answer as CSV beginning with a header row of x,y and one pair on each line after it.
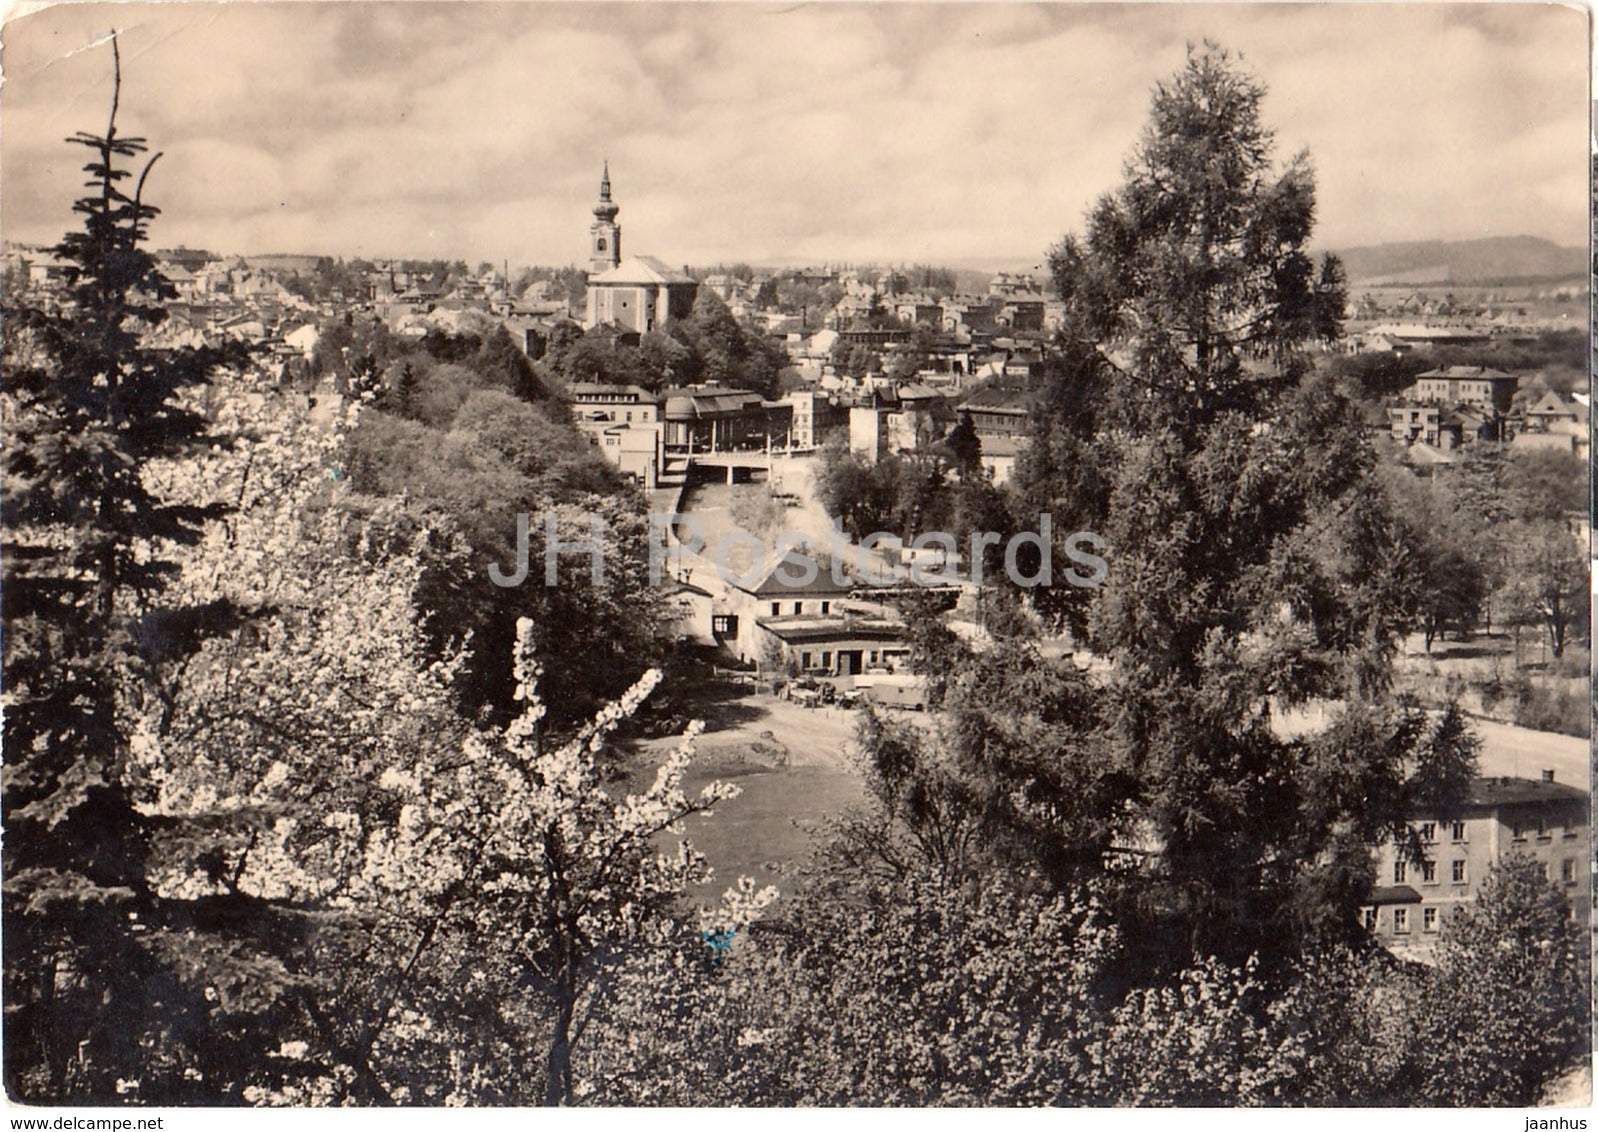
x,y
700,555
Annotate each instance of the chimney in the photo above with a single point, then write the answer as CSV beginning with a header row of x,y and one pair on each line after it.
x,y
1548,775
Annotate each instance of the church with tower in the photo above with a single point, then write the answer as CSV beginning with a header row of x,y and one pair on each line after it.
x,y
637,294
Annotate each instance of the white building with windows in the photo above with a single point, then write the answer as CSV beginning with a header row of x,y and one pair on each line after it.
x,y
1540,818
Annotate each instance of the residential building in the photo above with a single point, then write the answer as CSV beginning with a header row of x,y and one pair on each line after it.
x,y
814,416
1469,385
1002,410
1540,818
617,404
800,613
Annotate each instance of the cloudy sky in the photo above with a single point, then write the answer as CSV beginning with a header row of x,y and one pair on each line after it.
x,y
772,132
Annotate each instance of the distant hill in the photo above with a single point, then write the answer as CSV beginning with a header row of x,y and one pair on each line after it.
x,y
1499,259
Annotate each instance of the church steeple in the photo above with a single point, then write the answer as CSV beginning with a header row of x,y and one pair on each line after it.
x,y
604,235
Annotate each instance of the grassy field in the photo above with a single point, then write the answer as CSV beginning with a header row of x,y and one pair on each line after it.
x,y
793,765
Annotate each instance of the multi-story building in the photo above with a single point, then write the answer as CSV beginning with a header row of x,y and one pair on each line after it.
x,y
618,404
814,416
1465,385
1541,818
1001,410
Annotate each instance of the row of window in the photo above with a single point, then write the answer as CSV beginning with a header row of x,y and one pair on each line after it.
x,y
1544,828
1428,871
798,608
1545,831
1430,918
808,659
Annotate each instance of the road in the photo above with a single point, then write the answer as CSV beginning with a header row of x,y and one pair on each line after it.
x,y
1505,749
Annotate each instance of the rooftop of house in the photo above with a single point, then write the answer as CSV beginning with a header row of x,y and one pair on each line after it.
x,y
808,629
790,577
600,390
1502,790
1467,373
1000,399
1553,405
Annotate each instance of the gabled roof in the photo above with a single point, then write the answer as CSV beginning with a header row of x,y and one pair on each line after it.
x,y
788,578
1552,405
641,269
915,391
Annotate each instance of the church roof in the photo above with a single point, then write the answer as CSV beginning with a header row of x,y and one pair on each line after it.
x,y
640,269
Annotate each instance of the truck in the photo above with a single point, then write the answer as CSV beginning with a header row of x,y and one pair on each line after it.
x,y
895,690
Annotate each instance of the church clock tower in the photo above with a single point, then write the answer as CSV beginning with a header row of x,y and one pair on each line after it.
x,y
604,235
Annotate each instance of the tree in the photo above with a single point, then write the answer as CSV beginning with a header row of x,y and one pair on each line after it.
x,y
914,993
567,878
965,447
1548,581
90,404
1253,560
1507,1002
1330,300
1195,265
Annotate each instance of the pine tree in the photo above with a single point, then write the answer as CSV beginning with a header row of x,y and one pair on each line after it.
x,y
1195,268
90,404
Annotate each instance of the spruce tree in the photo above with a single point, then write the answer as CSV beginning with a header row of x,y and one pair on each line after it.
x,y
90,403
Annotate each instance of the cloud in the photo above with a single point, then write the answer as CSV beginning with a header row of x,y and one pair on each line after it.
x,y
766,132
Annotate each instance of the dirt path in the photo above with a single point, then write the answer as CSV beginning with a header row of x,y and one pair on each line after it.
x,y
794,767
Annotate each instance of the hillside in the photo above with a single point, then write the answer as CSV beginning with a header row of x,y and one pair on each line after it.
x,y
1498,259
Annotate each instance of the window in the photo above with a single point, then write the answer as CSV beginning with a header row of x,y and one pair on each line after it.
x,y
1518,831
1567,870
1400,872
1428,872
1459,831
798,608
826,607
1459,872
1542,867
826,660
1428,831
776,608
1543,832
1400,920
1370,919
1428,920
